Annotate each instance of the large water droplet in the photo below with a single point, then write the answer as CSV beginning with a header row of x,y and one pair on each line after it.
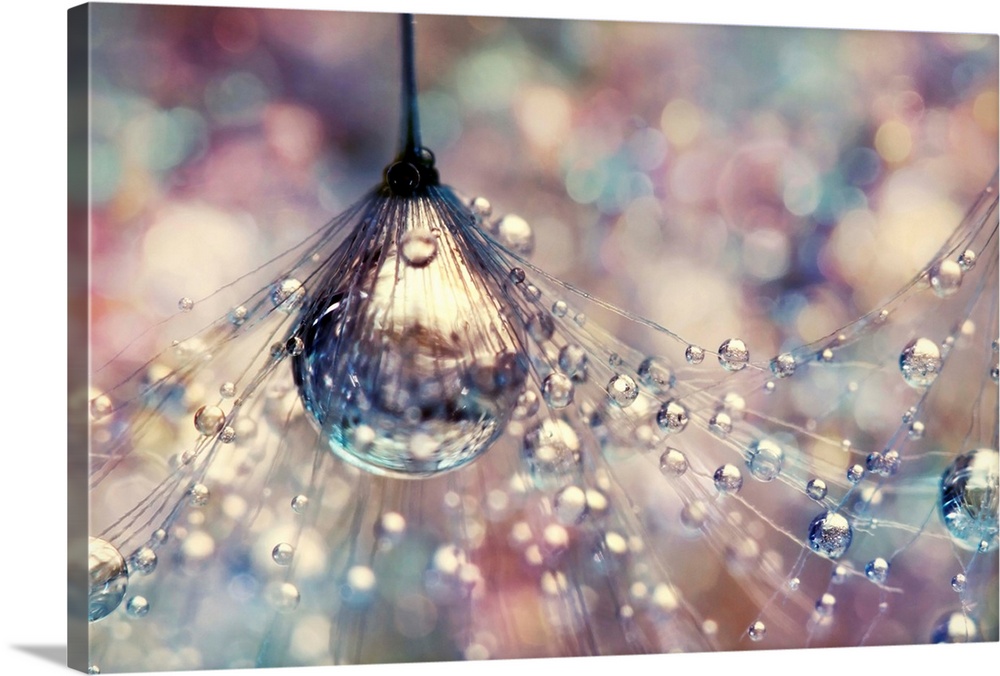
x,y
410,352
969,499
830,534
108,578
920,362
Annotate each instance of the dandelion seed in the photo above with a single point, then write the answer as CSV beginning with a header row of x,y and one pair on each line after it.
x,y
417,427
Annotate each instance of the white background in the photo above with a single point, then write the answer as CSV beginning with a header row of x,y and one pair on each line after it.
x,y
33,261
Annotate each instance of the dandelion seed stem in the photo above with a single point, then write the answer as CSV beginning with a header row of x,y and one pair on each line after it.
x,y
411,120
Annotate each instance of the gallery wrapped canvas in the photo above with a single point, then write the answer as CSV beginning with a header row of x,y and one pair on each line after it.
x,y
438,338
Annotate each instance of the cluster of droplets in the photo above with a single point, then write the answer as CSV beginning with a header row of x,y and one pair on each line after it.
x,y
352,388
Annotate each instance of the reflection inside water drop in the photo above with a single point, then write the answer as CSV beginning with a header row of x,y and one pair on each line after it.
x,y
399,382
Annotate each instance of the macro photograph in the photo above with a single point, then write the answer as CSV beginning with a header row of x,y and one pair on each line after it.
x,y
440,338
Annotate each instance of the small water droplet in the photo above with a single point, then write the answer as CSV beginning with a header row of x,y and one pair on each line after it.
x,y
720,424
883,464
580,319
143,560
655,373
199,495
283,553
238,315
958,582
877,570
945,278
526,406
694,515
920,362
794,583
765,457
551,452
955,627
672,416
540,326
294,346
208,420
185,304
137,606
557,390
514,233
830,534
418,247
108,578
481,208
728,479
855,473
570,505
516,275
825,605
284,596
358,589
288,295
916,430
694,354
622,390
100,407
559,308
673,462
573,361
733,354
299,503
816,489
227,390
227,435
757,631
783,366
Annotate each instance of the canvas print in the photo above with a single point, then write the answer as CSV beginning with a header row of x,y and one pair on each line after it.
x,y
438,338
